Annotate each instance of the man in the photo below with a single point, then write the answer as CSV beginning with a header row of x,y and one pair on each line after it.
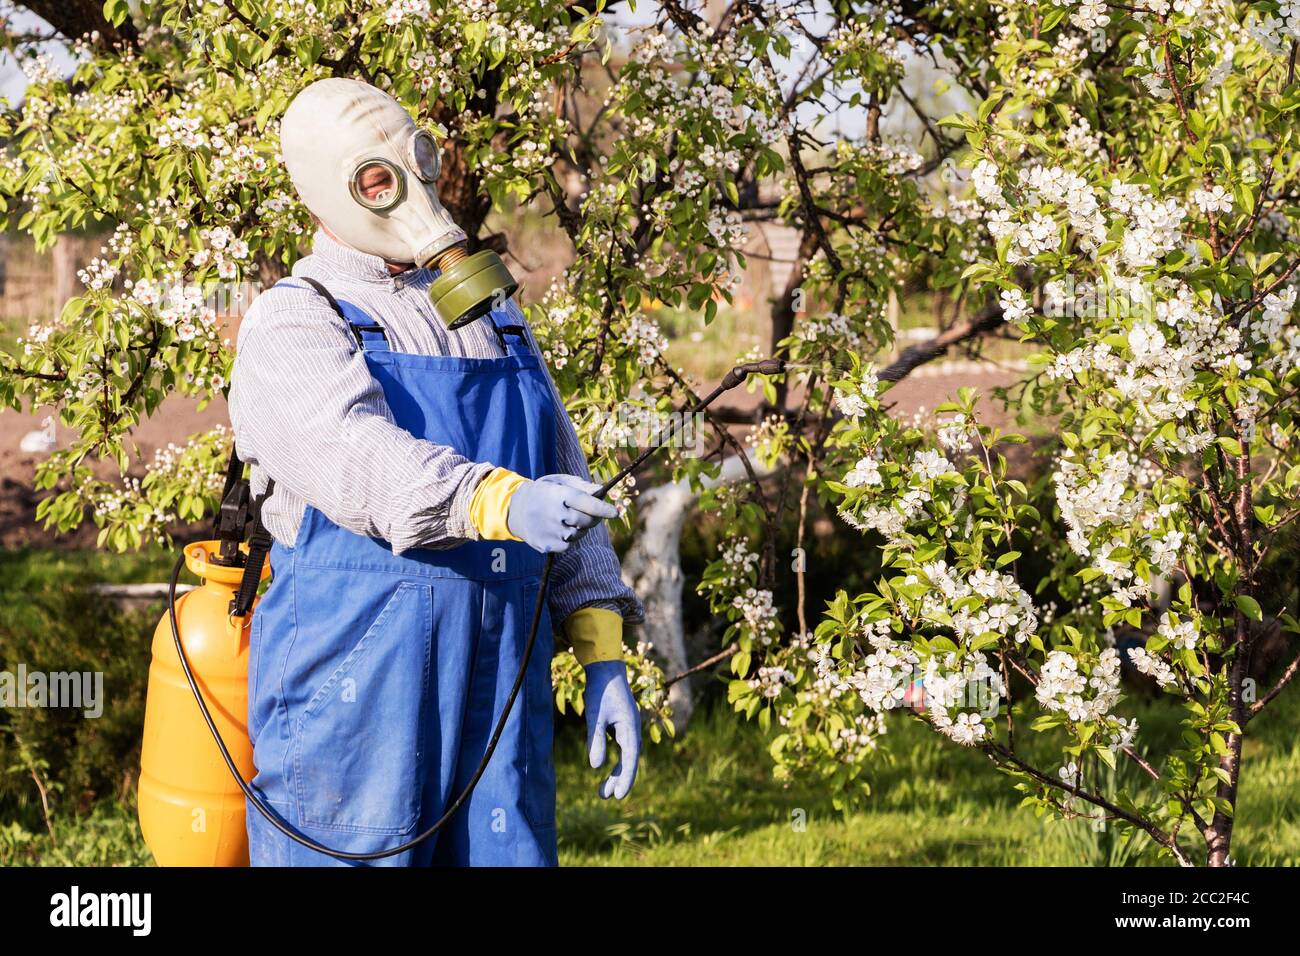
x,y
419,476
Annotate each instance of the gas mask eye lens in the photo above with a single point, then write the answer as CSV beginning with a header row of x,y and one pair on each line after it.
x,y
377,184
425,157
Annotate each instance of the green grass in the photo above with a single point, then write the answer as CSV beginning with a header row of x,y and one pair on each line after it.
x,y
107,836
36,568
710,800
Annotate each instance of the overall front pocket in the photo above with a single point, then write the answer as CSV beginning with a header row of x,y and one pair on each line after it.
x,y
359,742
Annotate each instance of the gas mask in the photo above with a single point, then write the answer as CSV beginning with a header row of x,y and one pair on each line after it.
x,y
369,174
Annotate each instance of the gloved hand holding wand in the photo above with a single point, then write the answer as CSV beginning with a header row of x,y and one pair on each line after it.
x,y
550,514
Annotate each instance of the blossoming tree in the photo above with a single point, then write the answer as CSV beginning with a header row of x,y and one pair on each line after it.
x,y
1119,195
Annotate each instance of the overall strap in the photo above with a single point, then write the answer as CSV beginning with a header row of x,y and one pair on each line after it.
x,y
369,334
511,334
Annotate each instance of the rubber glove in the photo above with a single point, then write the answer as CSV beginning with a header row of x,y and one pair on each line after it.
x,y
596,634
609,705
552,512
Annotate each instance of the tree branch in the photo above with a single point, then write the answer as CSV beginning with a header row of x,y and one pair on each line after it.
x,y
1285,679
917,355
727,652
1164,839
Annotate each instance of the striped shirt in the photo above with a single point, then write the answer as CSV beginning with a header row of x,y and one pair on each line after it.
x,y
307,412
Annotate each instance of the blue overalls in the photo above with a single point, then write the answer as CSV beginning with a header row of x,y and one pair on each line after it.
x,y
375,680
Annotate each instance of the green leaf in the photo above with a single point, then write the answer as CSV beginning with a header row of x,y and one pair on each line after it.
x,y
1249,607
116,11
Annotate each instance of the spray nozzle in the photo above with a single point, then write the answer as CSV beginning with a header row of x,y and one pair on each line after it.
x,y
771,366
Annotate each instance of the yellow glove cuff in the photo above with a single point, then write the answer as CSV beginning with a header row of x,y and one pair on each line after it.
x,y
596,634
490,504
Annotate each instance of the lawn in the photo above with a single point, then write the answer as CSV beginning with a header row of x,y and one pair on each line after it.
x,y
707,798
710,800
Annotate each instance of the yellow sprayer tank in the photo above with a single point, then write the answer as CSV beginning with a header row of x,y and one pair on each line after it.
x,y
191,809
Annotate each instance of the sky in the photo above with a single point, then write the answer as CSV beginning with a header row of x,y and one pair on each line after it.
x,y
12,81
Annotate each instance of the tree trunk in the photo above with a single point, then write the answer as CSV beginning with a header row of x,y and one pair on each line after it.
x,y
77,18
785,307
270,270
71,252
652,567
1218,836
459,181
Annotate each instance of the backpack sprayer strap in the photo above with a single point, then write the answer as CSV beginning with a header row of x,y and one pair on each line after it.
x,y
234,475
362,332
259,546
240,517
241,513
